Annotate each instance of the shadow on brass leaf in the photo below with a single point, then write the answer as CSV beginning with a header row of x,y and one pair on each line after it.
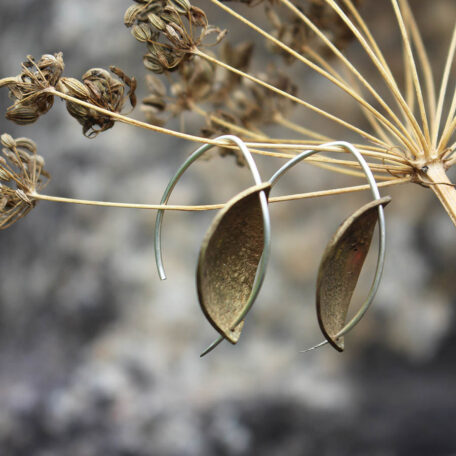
x,y
340,268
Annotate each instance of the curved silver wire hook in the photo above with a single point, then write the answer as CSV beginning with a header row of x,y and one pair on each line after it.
x,y
381,225
261,271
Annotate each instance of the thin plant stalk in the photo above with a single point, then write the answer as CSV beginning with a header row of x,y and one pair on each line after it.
x,y
211,207
325,74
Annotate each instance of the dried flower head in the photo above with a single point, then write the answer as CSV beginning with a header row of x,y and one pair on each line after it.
x,y
223,99
102,89
172,30
22,174
296,34
28,88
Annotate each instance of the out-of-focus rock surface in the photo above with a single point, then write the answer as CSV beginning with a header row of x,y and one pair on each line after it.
x,y
97,356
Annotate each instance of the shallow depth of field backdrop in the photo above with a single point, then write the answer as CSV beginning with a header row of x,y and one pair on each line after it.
x,y
98,357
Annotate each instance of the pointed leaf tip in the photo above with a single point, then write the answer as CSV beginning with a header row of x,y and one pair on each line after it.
x,y
228,261
340,268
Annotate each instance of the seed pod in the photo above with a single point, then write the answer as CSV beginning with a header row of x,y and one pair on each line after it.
x,y
142,32
229,259
156,21
7,141
198,17
23,114
340,268
21,176
156,102
181,6
75,88
131,14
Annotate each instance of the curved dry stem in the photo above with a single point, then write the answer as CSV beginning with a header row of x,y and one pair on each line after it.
x,y
130,121
323,63
415,77
402,136
390,82
401,132
293,98
211,207
299,129
253,145
409,87
423,59
443,188
269,144
370,38
224,123
377,153
443,87
448,131
397,167
369,116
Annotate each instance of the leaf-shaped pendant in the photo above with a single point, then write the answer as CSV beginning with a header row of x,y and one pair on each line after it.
x,y
340,268
228,261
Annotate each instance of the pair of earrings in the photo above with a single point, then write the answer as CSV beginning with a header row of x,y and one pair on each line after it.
x,y
235,251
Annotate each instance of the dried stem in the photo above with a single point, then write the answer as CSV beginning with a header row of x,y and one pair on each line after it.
x,y
424,60
404,136
416,81
209,207
386,74
293,98
443,87
443,188
294,145
299,129
392,127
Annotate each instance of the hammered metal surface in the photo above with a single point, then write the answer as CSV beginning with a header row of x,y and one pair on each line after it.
x,y
340,268
228,261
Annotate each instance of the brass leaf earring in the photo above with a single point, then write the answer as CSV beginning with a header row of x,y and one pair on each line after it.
x,y
344,256
234,253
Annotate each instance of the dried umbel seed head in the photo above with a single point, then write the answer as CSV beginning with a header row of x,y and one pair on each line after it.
x,y
28,88
102,89
155,104
256,106
203,88
297,35
252,106
22,175
172,30
196,79
195,84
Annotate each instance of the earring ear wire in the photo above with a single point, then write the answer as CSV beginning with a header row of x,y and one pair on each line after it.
x,y
172,183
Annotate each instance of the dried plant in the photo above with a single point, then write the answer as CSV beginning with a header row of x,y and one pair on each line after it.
x,y
28,88
22,174
410,139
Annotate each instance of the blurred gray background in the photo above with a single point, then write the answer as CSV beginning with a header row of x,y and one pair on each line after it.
x,y
97,356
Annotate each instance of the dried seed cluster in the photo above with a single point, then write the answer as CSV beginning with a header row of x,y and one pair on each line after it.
x,y
22,174
171,29
225,100
28,88
32,97
102,89
297,35
195,83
